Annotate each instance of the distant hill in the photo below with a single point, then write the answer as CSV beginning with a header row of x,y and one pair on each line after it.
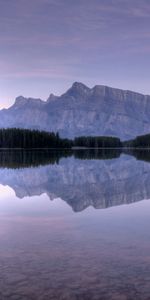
x,y
82,111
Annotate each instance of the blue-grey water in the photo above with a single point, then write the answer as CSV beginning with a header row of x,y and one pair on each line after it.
x,y
74,227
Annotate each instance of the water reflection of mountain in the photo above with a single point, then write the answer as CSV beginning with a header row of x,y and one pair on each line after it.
x,y
100,183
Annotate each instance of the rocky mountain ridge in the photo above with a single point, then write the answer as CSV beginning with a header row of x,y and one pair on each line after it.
x,y
100,110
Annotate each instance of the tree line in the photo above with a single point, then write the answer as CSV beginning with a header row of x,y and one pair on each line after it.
x,y
27,139
97,142
142,141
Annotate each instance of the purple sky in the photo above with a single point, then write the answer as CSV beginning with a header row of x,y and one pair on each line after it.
x,y
46,45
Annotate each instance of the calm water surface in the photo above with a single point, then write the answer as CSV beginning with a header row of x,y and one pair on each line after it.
x,y
74,227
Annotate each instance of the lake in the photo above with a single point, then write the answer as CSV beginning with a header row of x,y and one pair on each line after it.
x,y
74,225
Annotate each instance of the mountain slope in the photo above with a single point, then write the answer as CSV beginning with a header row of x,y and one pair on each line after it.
x,y
83,111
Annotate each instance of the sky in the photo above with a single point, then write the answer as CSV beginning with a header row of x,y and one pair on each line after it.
x,y
46,45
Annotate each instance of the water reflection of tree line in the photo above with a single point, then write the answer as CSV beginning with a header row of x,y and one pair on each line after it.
x,y
97,153
33,158
28,158
139,154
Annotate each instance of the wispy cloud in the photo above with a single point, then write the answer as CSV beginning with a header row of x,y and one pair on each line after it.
x,y
63,39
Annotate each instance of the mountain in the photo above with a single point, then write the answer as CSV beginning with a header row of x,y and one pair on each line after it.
x,y
83,183
100,110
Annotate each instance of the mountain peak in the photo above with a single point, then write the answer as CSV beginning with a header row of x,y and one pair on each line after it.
x,y
21,101
79,85
51,97
78,89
